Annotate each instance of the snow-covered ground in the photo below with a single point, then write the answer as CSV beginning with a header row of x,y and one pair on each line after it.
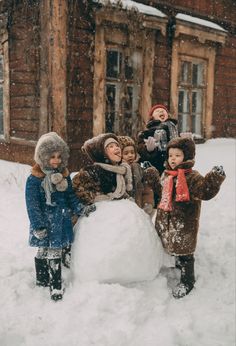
x,y
143,314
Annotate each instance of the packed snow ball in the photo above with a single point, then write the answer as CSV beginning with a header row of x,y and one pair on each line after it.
x,y
116,244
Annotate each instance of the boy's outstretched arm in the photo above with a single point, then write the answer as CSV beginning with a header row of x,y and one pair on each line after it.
x,y
207,187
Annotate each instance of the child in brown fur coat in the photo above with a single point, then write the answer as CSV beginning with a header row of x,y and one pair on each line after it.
x,y
178,212
142,178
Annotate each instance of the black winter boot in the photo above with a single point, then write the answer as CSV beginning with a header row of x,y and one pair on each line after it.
x,y
42,273
186,265
55,279
66,256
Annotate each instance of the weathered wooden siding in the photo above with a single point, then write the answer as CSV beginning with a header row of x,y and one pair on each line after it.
x,y
24,77
224,110
80,80
161,71
23,37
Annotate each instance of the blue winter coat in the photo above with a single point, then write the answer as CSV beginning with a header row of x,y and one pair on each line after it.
x,y
55,219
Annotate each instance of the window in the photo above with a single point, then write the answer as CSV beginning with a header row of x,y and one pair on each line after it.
x,y
193,73
122,91
191,94
123,68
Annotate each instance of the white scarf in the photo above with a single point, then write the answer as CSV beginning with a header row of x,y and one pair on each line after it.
x,y
123,180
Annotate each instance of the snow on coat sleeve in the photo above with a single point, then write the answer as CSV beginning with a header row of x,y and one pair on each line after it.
x,y
34,203
75,204
205,188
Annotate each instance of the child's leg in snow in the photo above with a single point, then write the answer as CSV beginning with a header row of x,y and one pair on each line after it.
x,y
186,265
41,267
66,256
55,279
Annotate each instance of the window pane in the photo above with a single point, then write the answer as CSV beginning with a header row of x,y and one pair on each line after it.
x,y
196,111
183,121
127,107
183,110
196,124
110,107
197,101
114,59
129,73
197,74
185,68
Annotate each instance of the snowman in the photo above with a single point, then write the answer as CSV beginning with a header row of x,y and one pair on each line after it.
x,y
118,242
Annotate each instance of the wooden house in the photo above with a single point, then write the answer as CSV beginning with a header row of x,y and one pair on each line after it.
x,y
81,68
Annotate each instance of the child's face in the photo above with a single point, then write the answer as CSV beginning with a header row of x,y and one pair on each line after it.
x,y
160,114
128,154
113,152
55,160
176,156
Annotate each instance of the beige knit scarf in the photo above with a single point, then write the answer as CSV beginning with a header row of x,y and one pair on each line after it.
x,y
123,180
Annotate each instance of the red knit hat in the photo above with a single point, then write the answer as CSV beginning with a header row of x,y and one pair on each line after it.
x,y
155,107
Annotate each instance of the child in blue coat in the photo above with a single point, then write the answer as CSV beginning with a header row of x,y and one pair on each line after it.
x,y
50,202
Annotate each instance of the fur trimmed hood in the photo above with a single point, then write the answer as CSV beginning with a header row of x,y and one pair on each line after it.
x,y
38,173
47,145
185,144
94,147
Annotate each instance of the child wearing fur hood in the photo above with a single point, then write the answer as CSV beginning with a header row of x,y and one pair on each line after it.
x,y
107,178
177,220
143,179
152,141
50,202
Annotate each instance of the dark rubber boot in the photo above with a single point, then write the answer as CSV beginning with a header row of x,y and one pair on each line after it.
x,y
42,273
66,256
55,279
186,264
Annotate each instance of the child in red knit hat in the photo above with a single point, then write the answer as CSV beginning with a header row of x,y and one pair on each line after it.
x,y
182,190
152,142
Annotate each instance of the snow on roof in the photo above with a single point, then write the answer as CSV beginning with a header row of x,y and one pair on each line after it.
x,y
199,21
128,4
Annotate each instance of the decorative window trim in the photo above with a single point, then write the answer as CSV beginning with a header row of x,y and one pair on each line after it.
x,y
107,17
6,88
202,32
194,51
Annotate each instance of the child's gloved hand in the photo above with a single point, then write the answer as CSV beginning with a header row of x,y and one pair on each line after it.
x,y
148,208
88,209
40,233
146,164
219,170
150,144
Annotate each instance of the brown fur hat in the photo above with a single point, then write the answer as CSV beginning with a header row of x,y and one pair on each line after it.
x,y
48,144
126,141
185,144
94,147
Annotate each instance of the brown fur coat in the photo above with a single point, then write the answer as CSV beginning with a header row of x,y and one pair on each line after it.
x,y
143,180
178,228
91,181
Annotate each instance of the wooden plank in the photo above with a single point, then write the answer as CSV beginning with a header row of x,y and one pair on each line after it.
x,y
6,89
58,66
45,110
99,82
